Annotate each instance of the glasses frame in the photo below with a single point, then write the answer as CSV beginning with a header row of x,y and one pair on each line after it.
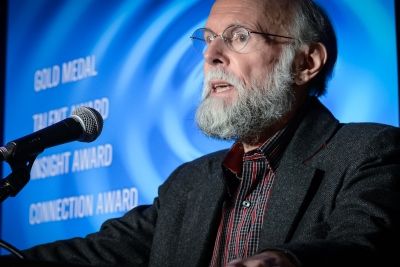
x,y
226,40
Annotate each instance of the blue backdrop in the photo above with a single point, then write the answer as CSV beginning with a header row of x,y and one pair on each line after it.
x,y
133,61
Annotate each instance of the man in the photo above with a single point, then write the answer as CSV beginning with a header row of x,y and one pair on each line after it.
x,y
296,189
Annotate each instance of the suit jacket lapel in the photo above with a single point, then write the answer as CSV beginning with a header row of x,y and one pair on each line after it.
x,y
295,175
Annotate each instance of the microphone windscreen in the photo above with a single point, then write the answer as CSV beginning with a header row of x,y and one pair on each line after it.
x,y
91,121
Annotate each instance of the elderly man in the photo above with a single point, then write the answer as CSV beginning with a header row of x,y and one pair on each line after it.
x,y
297,188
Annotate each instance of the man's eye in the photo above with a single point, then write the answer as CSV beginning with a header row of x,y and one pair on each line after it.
x,y
208,38
239,37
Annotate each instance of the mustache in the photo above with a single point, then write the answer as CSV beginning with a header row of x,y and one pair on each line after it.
x,y
223,75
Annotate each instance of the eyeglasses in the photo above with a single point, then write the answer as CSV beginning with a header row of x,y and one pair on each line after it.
x,y
235,37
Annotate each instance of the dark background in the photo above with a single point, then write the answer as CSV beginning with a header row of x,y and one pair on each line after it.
x,y
3,35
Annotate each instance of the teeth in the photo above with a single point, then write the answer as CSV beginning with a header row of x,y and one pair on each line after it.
x,y
221,88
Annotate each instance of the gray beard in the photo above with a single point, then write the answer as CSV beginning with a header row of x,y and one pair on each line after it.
x,y
257,107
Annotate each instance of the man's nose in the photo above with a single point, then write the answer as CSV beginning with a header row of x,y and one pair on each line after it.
x,y
215,54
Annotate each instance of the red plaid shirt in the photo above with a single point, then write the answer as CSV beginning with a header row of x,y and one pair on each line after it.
x,y
249,177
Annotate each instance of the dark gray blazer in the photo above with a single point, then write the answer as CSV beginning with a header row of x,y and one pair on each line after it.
x,y
335,200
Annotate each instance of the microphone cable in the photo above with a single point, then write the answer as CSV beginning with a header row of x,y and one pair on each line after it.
x,y
11,249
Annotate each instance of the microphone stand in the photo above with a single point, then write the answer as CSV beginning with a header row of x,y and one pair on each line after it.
x,y
13,184
19,177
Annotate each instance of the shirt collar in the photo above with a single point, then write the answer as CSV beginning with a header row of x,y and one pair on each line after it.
x,y
272,149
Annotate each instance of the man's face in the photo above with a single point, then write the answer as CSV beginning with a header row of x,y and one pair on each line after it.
x,y
245,93
260,56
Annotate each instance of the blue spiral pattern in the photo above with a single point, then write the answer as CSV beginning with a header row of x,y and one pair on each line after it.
x,y
153,79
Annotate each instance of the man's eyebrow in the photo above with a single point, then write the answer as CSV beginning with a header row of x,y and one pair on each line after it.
x,y
238,24
250,26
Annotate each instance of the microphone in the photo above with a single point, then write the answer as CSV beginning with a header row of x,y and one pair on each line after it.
x,y
85,125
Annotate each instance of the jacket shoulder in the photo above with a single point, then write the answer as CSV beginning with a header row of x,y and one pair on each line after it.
x,y
368,134
357,142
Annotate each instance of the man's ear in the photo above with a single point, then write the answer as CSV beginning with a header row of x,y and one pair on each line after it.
x,y
309,61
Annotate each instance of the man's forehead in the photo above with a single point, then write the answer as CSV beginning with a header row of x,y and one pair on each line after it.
x,y
265,13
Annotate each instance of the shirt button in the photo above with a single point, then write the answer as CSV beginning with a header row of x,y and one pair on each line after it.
x,y
246,203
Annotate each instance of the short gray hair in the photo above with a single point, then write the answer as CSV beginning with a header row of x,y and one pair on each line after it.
x,y
311,24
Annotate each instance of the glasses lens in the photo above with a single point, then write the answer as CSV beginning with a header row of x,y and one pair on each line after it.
x,y
236,37
200,39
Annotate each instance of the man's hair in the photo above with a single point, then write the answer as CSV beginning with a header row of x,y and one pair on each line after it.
x,y
311,24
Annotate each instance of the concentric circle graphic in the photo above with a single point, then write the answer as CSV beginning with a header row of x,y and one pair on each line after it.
x,y
133,60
